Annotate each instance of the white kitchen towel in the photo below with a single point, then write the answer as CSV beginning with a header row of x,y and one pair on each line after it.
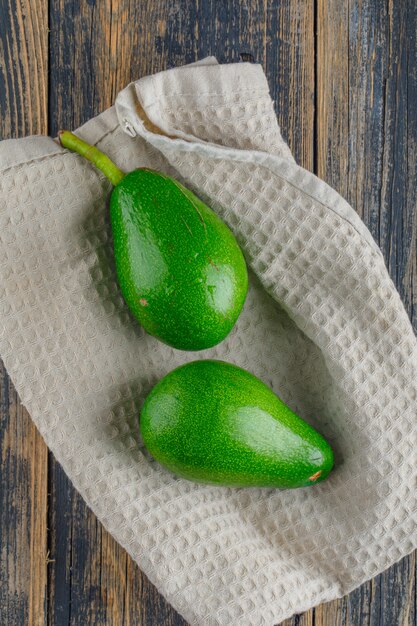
x,y
323,325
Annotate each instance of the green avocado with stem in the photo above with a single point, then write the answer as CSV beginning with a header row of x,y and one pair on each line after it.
x,y
179,267
213,422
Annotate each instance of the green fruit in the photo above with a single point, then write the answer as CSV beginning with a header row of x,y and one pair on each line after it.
x,y
179,267
213,422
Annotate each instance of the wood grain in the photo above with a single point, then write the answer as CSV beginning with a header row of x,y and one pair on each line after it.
x,y
23,68
343,77
23,501
365,150
23,454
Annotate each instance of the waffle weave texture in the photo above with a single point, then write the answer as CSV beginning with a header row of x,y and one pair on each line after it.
x,y
323,325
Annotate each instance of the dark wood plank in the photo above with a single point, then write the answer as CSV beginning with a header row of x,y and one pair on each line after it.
x,y
366,149
23,454
23,68
23,500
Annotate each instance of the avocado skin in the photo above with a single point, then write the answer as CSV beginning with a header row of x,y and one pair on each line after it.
x,y
213,422
179,267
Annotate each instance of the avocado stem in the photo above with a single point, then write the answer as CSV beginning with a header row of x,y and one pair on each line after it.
x,y
93,154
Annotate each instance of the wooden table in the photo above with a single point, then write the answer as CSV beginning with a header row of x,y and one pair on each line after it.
x,y
343,75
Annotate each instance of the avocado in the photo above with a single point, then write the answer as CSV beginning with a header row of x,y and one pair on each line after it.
x,y
213,422
179,267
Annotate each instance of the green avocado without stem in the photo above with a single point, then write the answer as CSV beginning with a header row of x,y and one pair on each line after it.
x,y
213,422
179,267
